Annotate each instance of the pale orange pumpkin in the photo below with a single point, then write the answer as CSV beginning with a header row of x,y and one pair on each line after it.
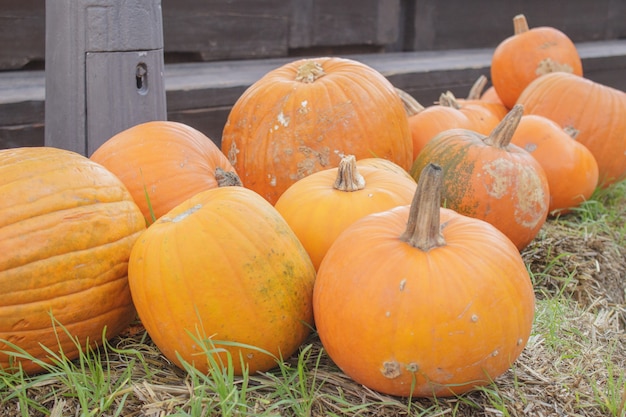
x,y
223,270
320,206
570,167
304,116
163,163
529,54
595,112
422,301
67,226
488,178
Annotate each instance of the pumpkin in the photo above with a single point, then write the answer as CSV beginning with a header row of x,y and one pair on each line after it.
x,y
485,97
488,178
163,163
223,274
529,54
431,121
67,226
571,168
483,116
595,112
384,164
320,206
304,116
415,301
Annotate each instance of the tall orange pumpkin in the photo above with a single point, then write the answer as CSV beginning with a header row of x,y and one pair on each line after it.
x,y
304,116
422,301
67,226
223,268
320,206
595,112
528,54
488,178
163,163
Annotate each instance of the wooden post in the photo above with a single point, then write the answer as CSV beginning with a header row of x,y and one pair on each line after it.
x,y
104,70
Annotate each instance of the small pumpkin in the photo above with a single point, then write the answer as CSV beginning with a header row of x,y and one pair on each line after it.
x,y
571,168
163,163
595,112
320,206
223,268
67,226
304,116
529,54
415,301
488,178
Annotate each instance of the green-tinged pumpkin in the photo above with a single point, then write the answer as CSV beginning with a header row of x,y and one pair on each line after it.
x,y
223,269
488,178
67,226
421,301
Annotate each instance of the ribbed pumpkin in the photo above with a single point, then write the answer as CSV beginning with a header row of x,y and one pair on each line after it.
x,y
163,163
571,168
528,54
488,178
320,206
304,116
384,164
225,266
595,112
422,301
67,226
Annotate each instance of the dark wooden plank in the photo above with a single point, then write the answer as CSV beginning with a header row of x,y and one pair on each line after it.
x,y
22,34
225,29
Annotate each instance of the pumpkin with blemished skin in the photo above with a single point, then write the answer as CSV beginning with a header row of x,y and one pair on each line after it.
x,y
594,111
527,55
225,266
571,168
163,163
422,301
320,206
306,115
488,178
67,227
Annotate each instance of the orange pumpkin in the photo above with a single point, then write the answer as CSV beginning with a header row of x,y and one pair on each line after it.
x,y
384,164
304,116
593,110
483,116
415,301
528,54
223,268
67,226
488,178
571,168
320,206
163,163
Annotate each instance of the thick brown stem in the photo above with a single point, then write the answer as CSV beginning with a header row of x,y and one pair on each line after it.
x,y
503,133
348,177
477,88
423,230
520,25
411,106
309,72
449,100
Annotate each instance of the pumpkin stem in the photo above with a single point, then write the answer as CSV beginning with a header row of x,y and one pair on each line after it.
x,y
503,133
423,230
449,100
227,178
309,72
477,88
520,24
411,105
348,177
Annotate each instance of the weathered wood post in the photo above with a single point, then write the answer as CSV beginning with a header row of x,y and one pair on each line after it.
x,y
104,70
